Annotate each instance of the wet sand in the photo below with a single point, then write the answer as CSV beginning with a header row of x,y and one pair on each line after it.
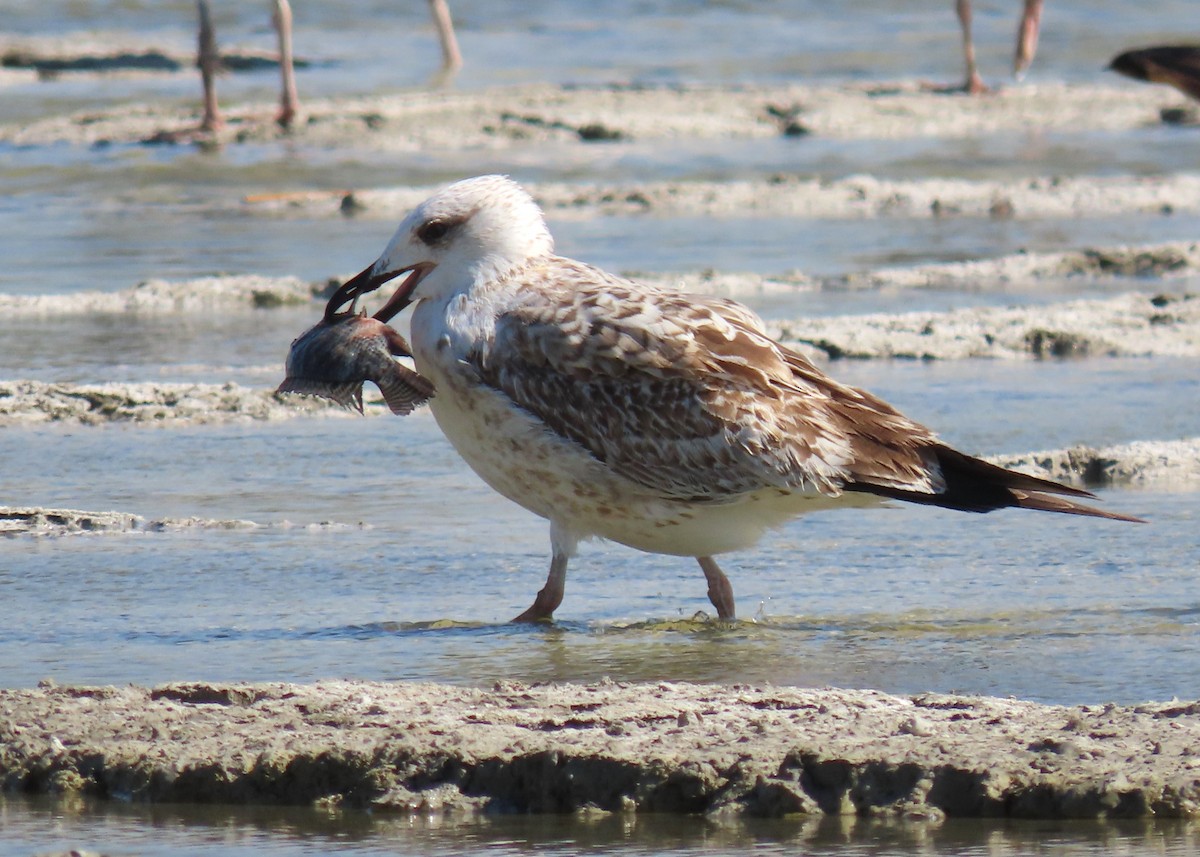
x,y
240,292
851,198
506,117
607,747
1131,325
1172,465
82,55
150,403
1136,265
42,521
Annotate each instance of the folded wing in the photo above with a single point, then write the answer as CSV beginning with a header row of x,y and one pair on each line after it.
x,y
691,399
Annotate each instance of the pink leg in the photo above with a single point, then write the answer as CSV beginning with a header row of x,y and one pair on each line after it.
x,y
973,84
720,590
551,595
451,58
208,61
1027,37
288,99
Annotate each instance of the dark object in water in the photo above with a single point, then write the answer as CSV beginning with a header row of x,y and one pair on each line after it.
x,y
1176,65
334,358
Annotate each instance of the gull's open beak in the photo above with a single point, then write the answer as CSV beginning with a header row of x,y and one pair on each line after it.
x,y
368,281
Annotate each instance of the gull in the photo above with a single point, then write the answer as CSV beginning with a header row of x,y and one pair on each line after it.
x,y
667,422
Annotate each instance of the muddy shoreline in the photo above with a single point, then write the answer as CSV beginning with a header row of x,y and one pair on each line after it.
x,y
857,197
24,403
606,747
1172,266
1131,325
506,117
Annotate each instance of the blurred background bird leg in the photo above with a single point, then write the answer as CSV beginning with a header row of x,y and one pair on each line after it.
x,y
209,61
281,17
1027,41
973,83
1027,37
451,58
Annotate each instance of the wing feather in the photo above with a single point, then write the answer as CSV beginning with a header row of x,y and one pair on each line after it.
x,y
689,397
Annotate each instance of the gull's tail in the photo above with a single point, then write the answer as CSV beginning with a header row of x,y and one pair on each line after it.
x,y
974,485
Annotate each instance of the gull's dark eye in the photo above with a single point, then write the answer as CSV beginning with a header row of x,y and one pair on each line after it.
x,y
437,230
434,231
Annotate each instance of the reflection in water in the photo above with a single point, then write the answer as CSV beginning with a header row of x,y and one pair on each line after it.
x,y
45,825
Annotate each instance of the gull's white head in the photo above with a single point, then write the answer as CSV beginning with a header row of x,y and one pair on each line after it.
x,y
469,232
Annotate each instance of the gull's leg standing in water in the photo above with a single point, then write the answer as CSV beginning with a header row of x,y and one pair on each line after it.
x,y
562,548
550,596
720,590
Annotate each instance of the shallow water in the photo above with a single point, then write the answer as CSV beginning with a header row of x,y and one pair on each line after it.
x,y
368,46
86,208
97,231
420,565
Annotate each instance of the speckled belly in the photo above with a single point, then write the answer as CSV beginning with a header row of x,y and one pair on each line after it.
x,y
559,480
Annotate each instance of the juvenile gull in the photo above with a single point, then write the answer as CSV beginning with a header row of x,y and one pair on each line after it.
x,y
667,422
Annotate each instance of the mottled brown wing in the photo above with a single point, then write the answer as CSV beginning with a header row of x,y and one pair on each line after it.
x,y
688,396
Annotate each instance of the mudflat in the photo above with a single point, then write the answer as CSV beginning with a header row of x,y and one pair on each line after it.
x,y
606,747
